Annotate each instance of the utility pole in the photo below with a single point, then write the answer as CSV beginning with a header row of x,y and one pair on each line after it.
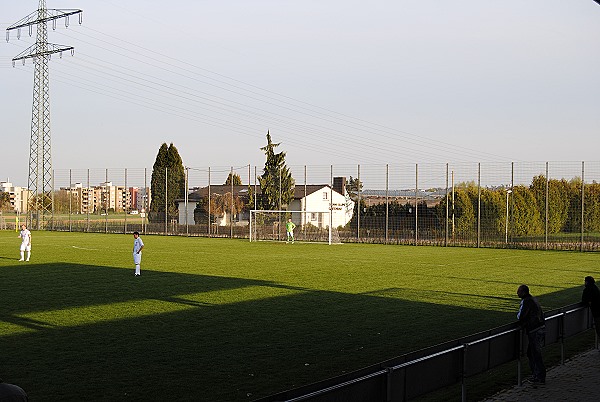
x,y
40,180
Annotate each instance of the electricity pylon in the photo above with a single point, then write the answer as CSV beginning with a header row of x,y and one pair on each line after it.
x,y
40,200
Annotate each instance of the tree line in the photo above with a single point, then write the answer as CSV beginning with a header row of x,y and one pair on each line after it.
x,y
469,207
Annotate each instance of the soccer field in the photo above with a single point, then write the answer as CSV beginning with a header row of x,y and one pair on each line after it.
x,y
229,320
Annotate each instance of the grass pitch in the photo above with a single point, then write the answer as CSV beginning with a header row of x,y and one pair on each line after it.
x,y
229,320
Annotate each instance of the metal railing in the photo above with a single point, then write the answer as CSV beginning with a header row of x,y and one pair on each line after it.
x,y
419,373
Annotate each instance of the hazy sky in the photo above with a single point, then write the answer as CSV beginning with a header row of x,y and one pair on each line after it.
x,y
336,82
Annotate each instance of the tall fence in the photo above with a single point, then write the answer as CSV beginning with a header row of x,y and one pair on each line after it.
x,y
455,362
542,205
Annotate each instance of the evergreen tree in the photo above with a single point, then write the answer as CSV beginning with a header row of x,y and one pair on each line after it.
x,y
353,187
167,162
276,182
237,180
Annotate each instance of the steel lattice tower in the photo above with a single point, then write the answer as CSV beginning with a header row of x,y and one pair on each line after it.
x,y
41,182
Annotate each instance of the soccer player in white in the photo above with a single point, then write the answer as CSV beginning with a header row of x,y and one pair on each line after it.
x,y
138,245
25,236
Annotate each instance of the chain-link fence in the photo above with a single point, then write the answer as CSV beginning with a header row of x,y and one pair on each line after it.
x,y
539,205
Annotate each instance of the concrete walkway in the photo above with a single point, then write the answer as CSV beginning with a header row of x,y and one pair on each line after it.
x,y
577,380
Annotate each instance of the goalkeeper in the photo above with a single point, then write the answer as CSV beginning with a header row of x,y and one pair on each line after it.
x,y
289,227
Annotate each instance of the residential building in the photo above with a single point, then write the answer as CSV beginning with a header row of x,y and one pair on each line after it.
x,y
18,196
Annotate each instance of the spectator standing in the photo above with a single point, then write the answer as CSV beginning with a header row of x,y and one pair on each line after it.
x,y
591,298
531,318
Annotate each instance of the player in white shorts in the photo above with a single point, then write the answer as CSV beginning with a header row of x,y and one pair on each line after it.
x,y
138,245
25,236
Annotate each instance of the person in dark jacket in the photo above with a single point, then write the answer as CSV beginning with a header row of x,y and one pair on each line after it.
x,y
531,318
12,393
591,298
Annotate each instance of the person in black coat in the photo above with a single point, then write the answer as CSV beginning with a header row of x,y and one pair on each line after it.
x,y
591,298
531,318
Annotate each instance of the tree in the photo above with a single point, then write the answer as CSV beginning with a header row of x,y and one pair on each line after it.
x,y
464,214
276,182
592,208
4,201
493,213
169,163
353,187
237,180
558,202
525,219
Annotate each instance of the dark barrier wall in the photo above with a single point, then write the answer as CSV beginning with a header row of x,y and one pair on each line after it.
x,y
418,373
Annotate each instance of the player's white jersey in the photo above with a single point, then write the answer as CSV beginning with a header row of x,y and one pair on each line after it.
x,y
137,245
25,236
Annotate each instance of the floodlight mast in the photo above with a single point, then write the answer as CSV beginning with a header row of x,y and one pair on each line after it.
x,y
40,199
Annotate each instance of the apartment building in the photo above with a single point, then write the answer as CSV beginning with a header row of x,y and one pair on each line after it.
x,y
18,196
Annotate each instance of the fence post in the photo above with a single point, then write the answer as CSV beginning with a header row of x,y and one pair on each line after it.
x,y
562,338
388,383
582,202
52,199
416,203
387,202
547,205
453,238
447,217
478,204
304,200
166,202
462,374
231,210
106,201
331,206
512,198
358,209
146,201
125,206
89,199
187,191
209,220
70,192
519,364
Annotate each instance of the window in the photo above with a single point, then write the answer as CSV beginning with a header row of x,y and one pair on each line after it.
x,y
313,216
325,195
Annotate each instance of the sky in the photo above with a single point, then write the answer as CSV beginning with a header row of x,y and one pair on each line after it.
x,y
335,82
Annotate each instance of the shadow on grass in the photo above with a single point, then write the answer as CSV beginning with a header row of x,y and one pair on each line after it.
x,y
74,332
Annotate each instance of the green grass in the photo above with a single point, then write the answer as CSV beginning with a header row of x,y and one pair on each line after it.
x,y
229,320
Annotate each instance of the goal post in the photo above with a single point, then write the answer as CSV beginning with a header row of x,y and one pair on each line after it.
x,y
311,226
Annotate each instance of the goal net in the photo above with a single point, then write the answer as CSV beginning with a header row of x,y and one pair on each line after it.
x,y
313,226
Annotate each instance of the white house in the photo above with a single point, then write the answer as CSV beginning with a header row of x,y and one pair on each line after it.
x,y
317,200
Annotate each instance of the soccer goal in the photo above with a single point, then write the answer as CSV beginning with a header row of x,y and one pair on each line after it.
x,y
313,226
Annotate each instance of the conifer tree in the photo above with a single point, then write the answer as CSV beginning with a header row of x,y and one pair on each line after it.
x,y
276,182
167,162
237,180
